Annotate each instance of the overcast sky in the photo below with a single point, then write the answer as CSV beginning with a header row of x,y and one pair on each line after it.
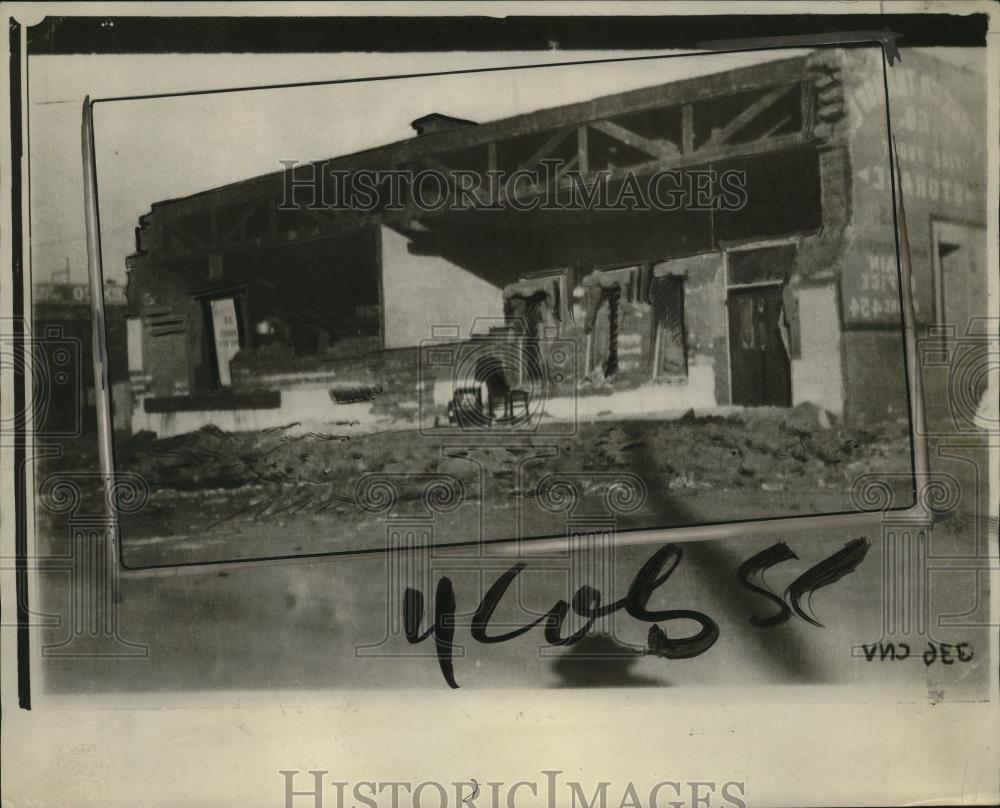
x,y
149,150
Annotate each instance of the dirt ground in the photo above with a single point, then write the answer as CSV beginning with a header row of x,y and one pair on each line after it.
x,y
215,495
333,622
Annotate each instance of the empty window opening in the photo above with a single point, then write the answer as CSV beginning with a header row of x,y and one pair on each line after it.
x,y
670,333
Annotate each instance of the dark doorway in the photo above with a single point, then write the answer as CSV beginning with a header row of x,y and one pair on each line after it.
x,y
225,334
761,369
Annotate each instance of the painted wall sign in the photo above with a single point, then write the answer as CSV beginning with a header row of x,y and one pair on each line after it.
x,y
936,114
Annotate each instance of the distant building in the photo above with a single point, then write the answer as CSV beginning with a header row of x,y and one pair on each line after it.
x,y
63,363
247,314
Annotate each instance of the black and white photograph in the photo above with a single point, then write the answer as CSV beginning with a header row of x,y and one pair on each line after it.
x,y
512,310
483,360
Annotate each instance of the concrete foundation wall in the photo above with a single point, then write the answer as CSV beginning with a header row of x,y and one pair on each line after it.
x,y
311,408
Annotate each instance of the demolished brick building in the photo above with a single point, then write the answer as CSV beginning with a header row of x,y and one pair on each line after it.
x,y
247,314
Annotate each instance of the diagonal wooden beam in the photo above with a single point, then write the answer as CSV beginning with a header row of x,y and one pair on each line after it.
x,y
186,236
769,98
568,167
479,192
760,146
236,231
434,164
776,127
685,91
654,148
546,149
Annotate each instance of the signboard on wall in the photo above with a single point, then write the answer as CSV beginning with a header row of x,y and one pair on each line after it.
x,y
937,114
76,293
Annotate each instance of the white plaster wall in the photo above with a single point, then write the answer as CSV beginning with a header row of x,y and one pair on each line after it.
x,y
422,291
818,376
655,399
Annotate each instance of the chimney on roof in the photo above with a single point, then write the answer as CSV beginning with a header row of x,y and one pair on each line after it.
x,y
436,122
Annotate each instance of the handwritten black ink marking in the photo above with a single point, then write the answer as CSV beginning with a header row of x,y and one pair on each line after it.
x,y
648,579
443,628
759,564
824,573
481,619
586,602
